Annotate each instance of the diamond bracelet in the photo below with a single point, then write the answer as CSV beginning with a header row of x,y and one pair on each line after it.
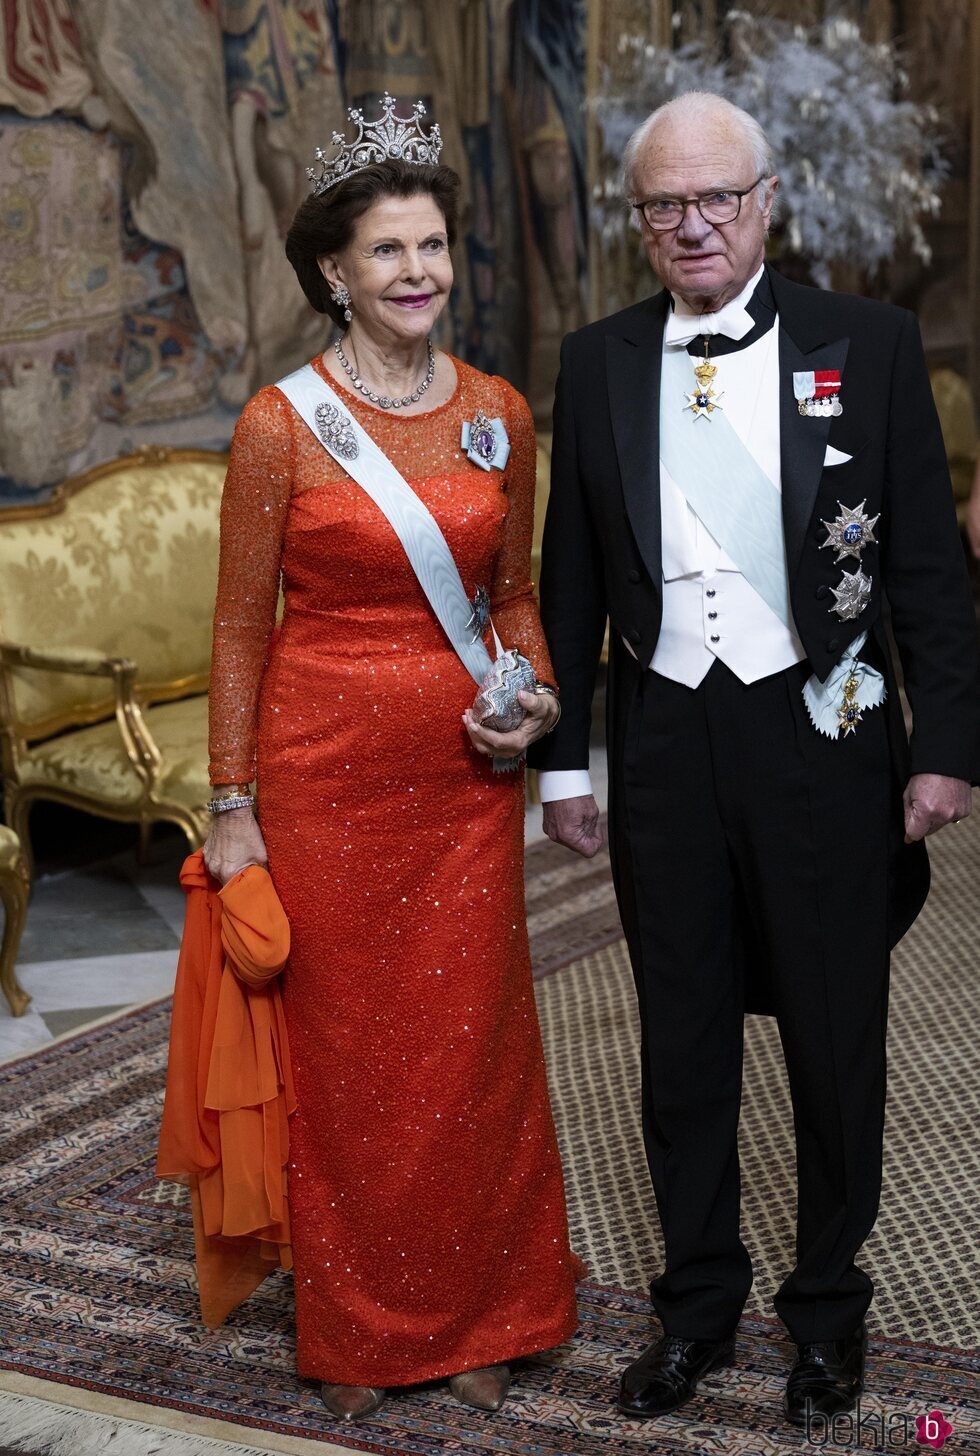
x,y
233,801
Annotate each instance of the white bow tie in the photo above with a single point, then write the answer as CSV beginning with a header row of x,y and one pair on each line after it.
x,y
733,321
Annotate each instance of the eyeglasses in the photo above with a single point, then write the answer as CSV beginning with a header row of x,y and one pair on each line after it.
x,y
665,213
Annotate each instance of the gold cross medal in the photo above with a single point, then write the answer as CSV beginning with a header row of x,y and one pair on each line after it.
x,y
849,714
703,400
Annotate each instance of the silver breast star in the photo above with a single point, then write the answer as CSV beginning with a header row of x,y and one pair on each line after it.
x,y
852,595
850,532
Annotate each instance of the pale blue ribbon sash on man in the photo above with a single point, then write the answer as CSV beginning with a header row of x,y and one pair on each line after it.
x,y
727,489
731,494
413,523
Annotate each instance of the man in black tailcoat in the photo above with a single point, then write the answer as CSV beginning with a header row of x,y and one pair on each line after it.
x,y
743,470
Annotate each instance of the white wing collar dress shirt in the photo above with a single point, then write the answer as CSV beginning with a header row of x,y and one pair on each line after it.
x,y
710,610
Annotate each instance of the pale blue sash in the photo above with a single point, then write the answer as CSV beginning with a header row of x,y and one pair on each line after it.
x,y
731,494
412,521
726,487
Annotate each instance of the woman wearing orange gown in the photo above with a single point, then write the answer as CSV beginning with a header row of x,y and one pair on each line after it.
x,y
425,1189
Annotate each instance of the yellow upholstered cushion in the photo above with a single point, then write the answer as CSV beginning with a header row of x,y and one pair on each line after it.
x,y
93,761
128,567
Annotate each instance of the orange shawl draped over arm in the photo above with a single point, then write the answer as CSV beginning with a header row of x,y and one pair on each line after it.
x,y
229,1087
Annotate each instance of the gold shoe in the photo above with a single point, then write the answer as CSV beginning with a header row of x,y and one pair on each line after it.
x,y
352,1402
485,1389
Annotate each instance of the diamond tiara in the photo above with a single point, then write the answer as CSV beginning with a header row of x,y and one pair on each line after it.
x,y
397,137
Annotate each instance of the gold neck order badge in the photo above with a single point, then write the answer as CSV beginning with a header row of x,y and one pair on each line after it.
x,y
849,714
703,400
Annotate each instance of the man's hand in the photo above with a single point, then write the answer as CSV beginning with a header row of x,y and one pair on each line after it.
x,y
932,800
574,823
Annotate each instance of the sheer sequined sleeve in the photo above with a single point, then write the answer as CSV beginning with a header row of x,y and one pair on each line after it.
x,y
512,600
253,515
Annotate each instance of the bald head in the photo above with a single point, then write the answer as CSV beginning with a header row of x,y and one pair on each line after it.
x,y
694,112
701,146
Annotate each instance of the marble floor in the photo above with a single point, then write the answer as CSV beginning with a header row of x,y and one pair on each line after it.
x,y
102,930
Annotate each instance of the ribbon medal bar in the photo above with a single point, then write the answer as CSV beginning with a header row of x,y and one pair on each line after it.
x,y
817,392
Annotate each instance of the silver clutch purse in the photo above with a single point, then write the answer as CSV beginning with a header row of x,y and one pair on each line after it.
x,y
497,706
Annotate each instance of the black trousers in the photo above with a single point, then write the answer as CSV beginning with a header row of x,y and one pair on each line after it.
x,y
745,843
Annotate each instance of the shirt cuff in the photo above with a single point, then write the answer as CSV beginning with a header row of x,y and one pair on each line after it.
x,y
563,783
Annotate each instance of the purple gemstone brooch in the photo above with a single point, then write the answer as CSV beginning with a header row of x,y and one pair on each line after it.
x,y
485,441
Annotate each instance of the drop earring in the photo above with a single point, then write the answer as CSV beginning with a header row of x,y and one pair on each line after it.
x,y
341,298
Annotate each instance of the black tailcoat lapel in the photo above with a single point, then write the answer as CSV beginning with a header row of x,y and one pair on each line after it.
x,y
633,378
633,365
802,440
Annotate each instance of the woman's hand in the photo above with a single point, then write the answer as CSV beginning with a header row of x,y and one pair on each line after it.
x,y
541,715
234,842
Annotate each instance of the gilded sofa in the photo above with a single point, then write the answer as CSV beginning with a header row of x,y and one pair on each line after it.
x,y
106,604
14,887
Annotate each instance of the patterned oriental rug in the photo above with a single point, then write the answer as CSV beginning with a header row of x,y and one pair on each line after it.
x,y
101,1347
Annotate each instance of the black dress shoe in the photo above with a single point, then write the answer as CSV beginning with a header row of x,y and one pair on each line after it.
x,y
667,1374
827,1378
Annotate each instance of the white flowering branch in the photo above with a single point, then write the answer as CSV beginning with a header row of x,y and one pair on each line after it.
x,y
859,164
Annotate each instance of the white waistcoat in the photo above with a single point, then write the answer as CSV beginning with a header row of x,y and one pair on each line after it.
x,y
710,610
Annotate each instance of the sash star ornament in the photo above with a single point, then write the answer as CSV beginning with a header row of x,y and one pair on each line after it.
x,y
852,595
852,688
849,713
477,623
850,532
703,400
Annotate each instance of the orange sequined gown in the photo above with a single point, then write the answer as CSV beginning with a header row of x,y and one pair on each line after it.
x,y
425,1189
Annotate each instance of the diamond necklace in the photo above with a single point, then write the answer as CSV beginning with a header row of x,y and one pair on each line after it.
x,y
382,399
